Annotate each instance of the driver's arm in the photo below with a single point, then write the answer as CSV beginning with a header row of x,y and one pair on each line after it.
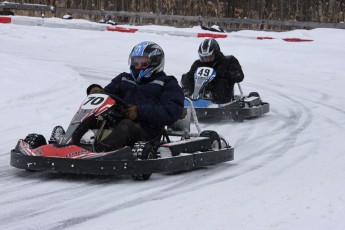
x,y
234,70
187,80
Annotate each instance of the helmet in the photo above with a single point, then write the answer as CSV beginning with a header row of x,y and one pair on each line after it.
x,y
209,51
146,59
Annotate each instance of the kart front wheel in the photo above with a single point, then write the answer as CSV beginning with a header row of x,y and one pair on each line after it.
x,y
143,151
214,136
35,140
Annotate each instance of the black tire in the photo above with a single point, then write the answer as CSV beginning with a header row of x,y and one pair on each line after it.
x,y
143,151
215,139
254,94
35,140
223,143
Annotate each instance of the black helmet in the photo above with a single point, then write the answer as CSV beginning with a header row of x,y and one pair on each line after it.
x,y
209,50
146,59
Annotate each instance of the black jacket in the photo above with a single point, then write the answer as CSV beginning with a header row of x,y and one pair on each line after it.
x,y
227,67
159,99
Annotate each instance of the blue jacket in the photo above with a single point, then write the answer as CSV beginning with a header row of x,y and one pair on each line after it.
x,y
159,99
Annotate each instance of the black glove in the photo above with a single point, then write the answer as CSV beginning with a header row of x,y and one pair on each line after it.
x,y
131,112
94,88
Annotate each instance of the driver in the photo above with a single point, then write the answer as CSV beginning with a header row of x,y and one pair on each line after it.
x,y
228,72
154,99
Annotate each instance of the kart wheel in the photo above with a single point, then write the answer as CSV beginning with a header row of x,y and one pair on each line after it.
x,y
254,94
35,140
215,139
143,151
223,143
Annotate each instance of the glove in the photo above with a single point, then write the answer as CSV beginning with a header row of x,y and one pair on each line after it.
x,y
131,112
94,88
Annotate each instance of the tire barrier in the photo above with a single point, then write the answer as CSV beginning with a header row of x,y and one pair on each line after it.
x,y
86,25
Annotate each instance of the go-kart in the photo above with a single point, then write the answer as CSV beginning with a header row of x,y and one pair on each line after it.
x,y
240,108
74,151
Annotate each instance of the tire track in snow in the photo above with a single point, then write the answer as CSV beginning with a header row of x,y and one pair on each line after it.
x,y
303,117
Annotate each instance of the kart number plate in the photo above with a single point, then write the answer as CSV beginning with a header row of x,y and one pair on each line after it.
x,y
94,101
204,73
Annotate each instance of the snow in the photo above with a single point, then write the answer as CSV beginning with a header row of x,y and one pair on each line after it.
x,y
289,164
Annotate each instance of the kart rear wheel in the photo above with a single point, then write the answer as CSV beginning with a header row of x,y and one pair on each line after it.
x,y
143,151
214,136
254,94
223,142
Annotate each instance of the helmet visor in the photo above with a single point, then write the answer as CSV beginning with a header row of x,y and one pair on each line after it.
x,y
209,58
140,62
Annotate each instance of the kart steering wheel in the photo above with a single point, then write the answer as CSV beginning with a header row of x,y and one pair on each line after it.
x,y
118,99
114,115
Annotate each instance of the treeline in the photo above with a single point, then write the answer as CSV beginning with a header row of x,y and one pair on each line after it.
x,y
331,11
